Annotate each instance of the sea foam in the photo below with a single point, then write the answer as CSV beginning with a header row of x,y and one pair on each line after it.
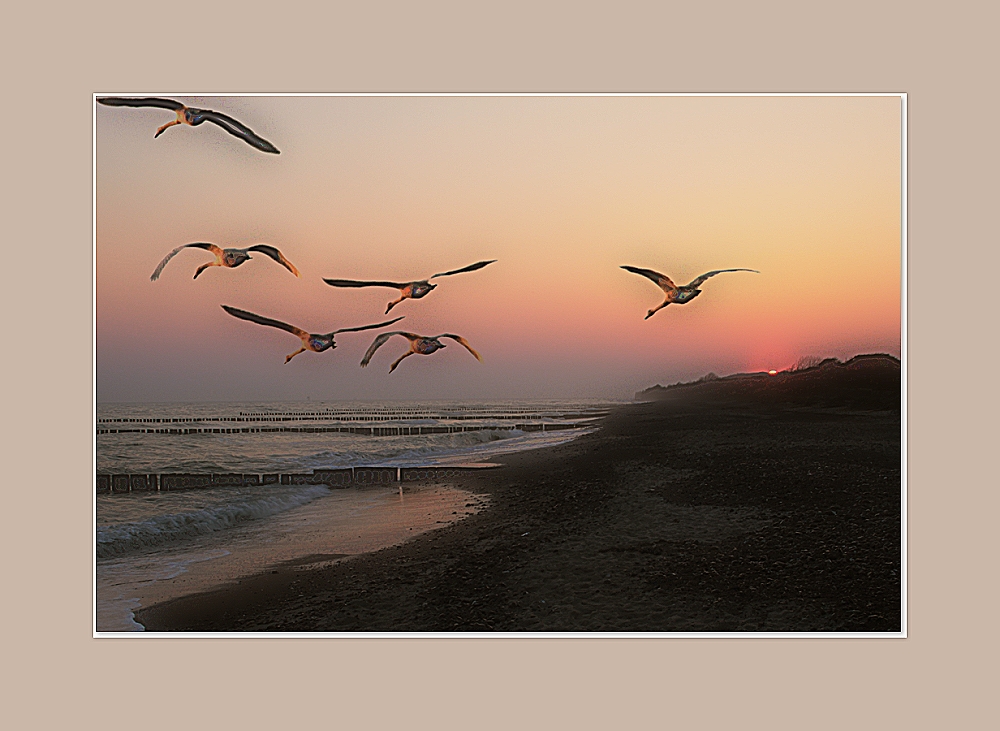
x,y
125,538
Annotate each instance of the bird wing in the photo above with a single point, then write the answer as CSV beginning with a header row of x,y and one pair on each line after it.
x,y
700,280
149,101
470,268
238,129
244,315
356,283
276,255
366,327
380,341
656,277
462,341
198,245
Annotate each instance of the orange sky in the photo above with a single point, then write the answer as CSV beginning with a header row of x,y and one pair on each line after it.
x,y
561,190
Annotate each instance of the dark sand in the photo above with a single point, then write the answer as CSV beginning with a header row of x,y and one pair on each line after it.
x,y
748,504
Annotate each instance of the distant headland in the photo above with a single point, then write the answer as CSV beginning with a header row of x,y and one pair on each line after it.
x,y
871,381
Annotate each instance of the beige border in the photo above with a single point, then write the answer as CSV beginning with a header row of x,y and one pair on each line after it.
x,y
59,675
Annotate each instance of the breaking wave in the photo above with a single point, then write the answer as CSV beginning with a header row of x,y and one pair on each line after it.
x,y
125,538
406,451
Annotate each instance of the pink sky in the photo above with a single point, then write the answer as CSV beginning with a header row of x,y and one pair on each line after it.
x,y
560,190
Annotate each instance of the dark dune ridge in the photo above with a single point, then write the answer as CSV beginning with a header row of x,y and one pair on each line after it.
x,y
865,381
744,504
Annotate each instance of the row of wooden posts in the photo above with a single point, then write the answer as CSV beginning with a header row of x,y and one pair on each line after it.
x,y
372,431
330,417
110,483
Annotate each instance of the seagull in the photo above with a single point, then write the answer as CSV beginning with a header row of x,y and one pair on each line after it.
x,y
408,290
193,117
230,258
310,341
678,295
419,344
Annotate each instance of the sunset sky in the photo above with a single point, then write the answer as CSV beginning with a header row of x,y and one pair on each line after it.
x,y
560,190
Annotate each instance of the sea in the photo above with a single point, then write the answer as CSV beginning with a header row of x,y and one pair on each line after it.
x,y
152,545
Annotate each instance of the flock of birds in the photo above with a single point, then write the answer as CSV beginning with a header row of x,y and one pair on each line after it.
x,y
417,289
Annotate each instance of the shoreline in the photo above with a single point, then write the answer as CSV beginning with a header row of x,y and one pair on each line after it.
x,y
680,515
342,524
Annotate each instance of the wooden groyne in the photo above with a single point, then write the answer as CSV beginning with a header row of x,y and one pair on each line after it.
x,y
339,417
349,477
383,415
371,431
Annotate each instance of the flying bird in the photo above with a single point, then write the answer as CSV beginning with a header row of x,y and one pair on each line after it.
x,y
317,343
193,116
408,290
230,258
418,344
677,295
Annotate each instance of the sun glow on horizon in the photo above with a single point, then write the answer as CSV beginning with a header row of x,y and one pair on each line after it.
x,y
562,191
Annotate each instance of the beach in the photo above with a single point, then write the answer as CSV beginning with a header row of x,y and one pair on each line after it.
x,y
335,524
755,507
191,497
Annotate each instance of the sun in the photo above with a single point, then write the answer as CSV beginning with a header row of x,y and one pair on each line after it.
x,y
772,372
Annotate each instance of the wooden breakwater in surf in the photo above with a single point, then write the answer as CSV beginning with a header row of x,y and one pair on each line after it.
x,y
372,431
107,483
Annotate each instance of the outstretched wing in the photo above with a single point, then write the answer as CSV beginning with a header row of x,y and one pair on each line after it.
x,y
276,255
356,283
244,315
700,280
462,341
367,327
198,245
380,341
658,279
470,268
238,129
149,101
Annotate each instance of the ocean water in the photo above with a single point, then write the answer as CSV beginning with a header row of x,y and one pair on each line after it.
x,y
151,546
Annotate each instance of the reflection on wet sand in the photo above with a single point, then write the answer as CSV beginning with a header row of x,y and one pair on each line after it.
x,y
334,527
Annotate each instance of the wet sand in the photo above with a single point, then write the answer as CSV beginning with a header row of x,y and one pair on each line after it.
x,y
342,524
717,508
